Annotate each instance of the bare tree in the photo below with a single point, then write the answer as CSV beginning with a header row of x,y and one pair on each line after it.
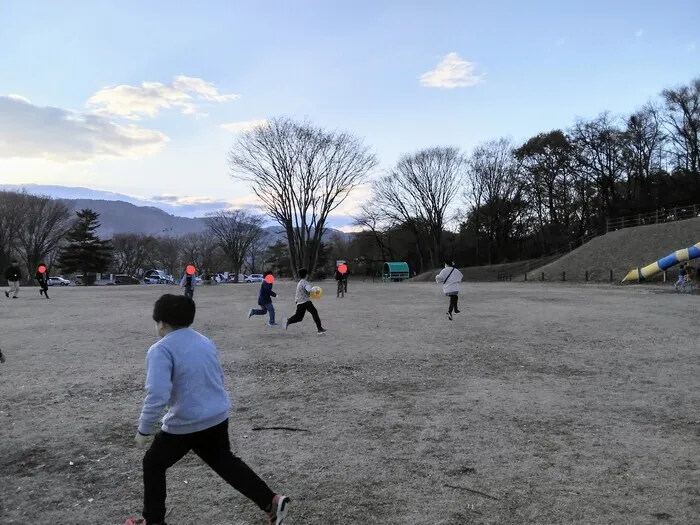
x,y
422,186
200,249
372,218
642,147
43,224
547,162
165,254
256,253
599,145
10,216
498,191
682,119
131,252
301,173
235,231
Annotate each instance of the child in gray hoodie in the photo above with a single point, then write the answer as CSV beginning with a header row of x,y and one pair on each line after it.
x,y
184,377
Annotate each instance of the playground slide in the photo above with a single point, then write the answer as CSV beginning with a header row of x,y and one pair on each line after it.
x,y
639,274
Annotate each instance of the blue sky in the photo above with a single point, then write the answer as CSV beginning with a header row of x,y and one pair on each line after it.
x,y
522,68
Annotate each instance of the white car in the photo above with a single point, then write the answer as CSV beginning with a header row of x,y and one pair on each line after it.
x,y
58,281
157,277
254,278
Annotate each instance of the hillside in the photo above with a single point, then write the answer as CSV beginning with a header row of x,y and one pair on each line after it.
x,y
491,272
621,251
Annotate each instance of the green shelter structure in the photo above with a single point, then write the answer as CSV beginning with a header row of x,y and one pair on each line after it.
x,y
393,272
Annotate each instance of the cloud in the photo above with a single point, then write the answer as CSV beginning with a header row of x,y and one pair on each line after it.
x,y
692,46
560,42
61,135
132,102
20,98
244,125
199,206
452,72
164,198
639,33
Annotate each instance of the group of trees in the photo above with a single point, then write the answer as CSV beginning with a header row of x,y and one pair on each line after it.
x,y
502,201
36,229
233,240
510,201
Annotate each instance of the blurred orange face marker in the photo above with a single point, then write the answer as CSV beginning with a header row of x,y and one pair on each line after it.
x,y
343,268
269,279
190,269
42,269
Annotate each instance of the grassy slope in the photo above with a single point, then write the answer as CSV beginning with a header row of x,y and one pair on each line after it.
x,y
491,272
619,251
622,251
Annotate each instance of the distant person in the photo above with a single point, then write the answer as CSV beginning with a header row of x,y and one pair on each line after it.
x,y
342,280
43,281
681,276
188,282
265,302
450,278
304,303
13,275
184,377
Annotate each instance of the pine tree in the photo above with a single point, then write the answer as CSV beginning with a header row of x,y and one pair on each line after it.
x,y
85,252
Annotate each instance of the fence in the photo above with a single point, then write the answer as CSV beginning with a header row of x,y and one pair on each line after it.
x,y
659,216
656,217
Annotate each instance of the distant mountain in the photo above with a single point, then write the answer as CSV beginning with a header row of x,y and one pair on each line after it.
x,y
124,214
123,217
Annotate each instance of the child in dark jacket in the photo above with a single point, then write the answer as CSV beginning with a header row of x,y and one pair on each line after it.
x,y
265,300
43,280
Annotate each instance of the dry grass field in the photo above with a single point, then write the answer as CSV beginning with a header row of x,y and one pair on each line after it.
x,y
538,404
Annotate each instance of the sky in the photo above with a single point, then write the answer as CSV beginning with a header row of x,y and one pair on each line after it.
x,y
145,98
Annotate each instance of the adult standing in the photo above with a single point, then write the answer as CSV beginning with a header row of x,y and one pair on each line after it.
x,y
13,275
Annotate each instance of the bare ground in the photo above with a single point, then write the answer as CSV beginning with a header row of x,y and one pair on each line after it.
x,y
539,404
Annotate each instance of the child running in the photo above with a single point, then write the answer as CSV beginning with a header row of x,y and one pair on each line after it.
x,y
13,276
43,280
188,282
265,301
184,375
450,278
304,303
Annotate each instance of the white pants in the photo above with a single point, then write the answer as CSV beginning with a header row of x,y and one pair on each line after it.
x,y
14,287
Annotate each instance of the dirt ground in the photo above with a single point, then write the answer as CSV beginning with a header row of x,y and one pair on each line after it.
x,y
538,404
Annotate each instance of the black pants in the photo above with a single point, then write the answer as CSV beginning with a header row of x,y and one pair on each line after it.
x,y
302,308
213,447
453,303
44,288
189,292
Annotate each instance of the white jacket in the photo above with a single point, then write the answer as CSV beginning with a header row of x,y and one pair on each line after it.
x,y
450,285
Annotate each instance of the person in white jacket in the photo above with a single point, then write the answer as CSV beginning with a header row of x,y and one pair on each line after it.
x,y
450,278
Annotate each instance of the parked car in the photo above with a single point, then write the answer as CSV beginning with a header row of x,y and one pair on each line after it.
x,y
157,277
126,279
254,278
58,281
